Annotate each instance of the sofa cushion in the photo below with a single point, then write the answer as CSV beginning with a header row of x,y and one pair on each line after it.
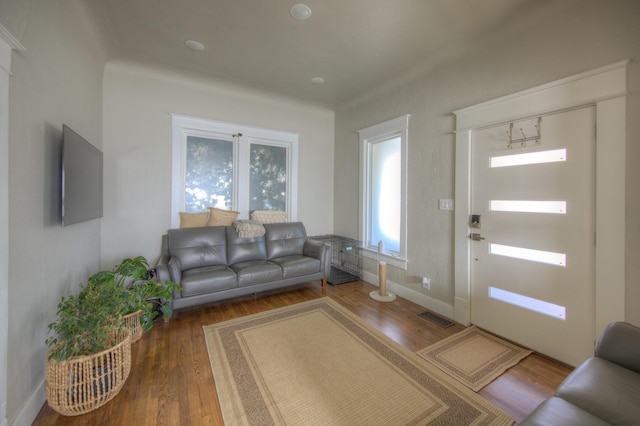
x,y
557,411
256,272
220,217
604,389
284,239
193,220
198,247
297,265
244,249
207,279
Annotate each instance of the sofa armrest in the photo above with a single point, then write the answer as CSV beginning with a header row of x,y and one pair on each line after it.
x,y
162,269
321,251
175,269
620,344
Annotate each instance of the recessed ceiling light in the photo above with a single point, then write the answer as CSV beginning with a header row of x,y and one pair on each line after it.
x,y
194,45
300,11
317,80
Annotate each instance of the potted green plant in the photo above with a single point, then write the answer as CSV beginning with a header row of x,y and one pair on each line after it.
x,y
152,297
85,323
90,355
146,293
136,290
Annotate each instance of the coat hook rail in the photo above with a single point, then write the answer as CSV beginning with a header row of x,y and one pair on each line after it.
x,y
524,139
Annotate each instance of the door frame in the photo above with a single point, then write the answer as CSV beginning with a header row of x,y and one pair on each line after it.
x,y
603,87
8,43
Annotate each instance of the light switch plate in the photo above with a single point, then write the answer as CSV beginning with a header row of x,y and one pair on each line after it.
x,y
445,204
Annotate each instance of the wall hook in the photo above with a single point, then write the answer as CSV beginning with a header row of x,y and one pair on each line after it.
x,y
523,141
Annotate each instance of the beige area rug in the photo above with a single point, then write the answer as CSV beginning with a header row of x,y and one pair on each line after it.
x,y
316,363
474,357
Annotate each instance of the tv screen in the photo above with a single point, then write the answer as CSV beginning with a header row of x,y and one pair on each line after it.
x,y
81,179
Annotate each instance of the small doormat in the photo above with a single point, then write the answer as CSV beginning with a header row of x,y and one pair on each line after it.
x,y
442,322
473,357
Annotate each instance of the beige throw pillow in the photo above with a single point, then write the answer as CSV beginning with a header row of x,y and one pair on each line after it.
x,y
269,216
220,217
193,220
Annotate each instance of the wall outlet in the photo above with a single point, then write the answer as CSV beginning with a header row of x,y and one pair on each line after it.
x,y
445,204
426,283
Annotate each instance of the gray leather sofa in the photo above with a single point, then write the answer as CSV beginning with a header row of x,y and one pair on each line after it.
x,y
214,263
604,390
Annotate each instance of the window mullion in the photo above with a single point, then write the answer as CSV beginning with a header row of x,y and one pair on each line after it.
x,y
242,178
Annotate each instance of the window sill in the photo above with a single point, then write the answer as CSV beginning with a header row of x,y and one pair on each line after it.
x,y
395,261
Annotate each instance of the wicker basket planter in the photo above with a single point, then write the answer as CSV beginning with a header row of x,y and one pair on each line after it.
x,y
132,323
81,384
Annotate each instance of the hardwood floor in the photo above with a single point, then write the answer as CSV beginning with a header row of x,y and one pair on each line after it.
x,y
171,381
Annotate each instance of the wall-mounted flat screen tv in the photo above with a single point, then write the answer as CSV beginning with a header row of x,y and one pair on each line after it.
x,y
81,179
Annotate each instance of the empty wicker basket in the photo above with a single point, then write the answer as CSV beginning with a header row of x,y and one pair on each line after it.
x,y
81,384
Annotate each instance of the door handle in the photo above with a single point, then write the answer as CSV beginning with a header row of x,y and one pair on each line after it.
x,y
476,237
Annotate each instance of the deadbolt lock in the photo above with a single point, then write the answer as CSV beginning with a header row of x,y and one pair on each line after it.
x,y
476,237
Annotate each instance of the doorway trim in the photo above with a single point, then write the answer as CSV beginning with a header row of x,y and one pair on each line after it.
x,y
604,87
8,43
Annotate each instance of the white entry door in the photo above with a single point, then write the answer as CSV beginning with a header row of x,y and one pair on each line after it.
x,y
533,252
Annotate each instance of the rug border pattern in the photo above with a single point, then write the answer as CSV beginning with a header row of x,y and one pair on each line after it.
x,y
225,339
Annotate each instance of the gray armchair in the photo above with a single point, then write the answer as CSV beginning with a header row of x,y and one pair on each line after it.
x,y
604,390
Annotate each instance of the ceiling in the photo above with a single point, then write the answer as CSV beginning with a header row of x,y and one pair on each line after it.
x,y
355,45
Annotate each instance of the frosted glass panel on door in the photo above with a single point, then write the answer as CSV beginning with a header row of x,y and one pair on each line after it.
x,y
539,157
541,256
209,174
527,206
540,306
268,177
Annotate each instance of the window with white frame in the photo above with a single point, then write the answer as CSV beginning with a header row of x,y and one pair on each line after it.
x,y
232,167
383,190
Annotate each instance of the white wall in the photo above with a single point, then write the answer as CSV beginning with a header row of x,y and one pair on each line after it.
x,y
57,80
567,38
138,101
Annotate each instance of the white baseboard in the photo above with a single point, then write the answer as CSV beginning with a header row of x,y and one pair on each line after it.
x,y
418,298
30,410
